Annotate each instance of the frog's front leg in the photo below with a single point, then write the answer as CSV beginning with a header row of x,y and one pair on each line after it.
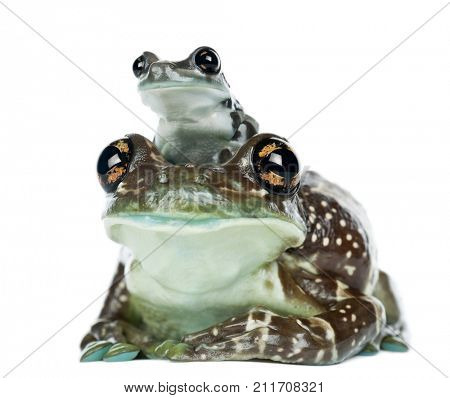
x,y
327,338
113,337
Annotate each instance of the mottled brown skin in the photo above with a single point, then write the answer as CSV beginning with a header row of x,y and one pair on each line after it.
x,y
334,268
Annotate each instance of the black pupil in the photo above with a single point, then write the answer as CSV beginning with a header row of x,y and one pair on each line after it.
x,y
109,158
207,60
139,66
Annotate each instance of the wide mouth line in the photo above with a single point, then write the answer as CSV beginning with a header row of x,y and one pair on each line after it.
x,y
174,85
148,221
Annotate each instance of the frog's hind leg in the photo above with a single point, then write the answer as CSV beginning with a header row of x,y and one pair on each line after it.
x,y
113,337
327,338
391,338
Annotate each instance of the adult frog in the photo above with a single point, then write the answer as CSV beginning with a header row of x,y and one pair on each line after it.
x,y
200,121
254,259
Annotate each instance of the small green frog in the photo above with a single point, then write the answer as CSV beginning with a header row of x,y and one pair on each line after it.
x,y
252,259
200,120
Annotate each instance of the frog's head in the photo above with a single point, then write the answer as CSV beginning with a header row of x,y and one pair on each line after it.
x,y
184,89
197,228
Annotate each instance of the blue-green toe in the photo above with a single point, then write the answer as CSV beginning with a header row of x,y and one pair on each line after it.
x,y
369,350
95,351
394,344
121,352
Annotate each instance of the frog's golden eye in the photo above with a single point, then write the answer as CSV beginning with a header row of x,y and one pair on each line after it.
x,y
113,162
207,60
276,166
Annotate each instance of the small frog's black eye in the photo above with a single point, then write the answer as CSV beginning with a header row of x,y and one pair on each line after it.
x,y
207,60
140,66
276,166
112,165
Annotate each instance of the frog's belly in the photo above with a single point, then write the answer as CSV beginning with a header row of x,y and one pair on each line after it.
x,y
169,314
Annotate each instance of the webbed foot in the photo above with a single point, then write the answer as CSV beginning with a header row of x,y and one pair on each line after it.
x,y
95,351
394,344
109,352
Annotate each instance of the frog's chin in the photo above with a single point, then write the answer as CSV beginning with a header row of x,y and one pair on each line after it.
x,y
175,100
196,256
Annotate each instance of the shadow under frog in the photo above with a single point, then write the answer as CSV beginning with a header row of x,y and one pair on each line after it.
x,y
253,259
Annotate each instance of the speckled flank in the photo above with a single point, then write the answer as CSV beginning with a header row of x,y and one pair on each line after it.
x,y
337,241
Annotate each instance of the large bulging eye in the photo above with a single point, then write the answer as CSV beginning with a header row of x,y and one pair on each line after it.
x,y
112,165
207,60
276,166
139,66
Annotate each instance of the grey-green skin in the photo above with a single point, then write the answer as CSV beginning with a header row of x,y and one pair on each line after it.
x,y
217,268
200,121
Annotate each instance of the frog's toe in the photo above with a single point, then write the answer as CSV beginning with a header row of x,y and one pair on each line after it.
x,y
95,351
394,344
181,352
120,352
369,350
170,349
160,349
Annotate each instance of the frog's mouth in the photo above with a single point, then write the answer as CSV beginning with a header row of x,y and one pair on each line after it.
x,y
166,98
200,255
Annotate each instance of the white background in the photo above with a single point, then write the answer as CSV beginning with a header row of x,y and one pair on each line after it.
x,y
386,140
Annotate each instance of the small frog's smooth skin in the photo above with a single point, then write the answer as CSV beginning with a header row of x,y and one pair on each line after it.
x,y
254,259
200,121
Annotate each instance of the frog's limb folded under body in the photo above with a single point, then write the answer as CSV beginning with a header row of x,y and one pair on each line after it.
x,y
327,338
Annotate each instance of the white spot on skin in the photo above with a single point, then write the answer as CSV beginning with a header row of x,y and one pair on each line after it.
x,y
215,332
313,237
312,218
342,311
348,237
365,254
356,330
319,355
318,280
348,254
364,323
353,318
349,268
342,222
344,319
318,226
355,245
323,203
311,208
123,298
334,210
328,216
348,306
280,349
339,241
326,241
